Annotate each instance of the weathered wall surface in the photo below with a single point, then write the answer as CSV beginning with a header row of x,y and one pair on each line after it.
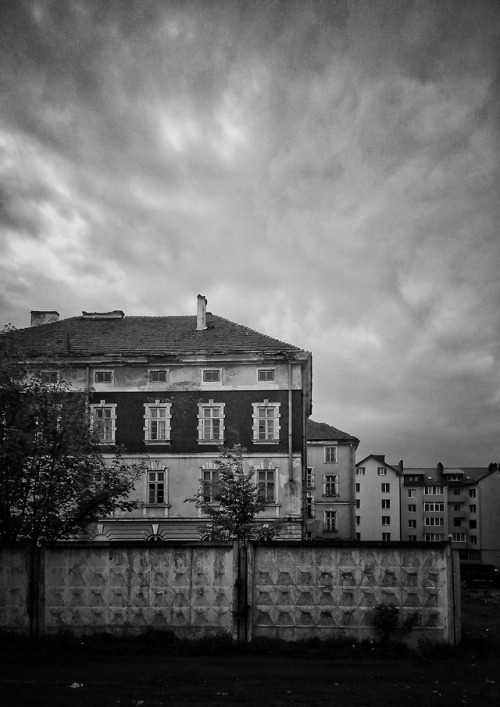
x,y
304,592
295,590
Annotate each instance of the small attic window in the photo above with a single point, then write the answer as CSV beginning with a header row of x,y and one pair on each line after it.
x,y
103,376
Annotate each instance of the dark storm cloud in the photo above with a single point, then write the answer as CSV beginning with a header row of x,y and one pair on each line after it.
x,y
326,172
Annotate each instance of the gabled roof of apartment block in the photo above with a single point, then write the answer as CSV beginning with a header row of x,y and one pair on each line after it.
x,y
111,333
380,459
320,431
434,475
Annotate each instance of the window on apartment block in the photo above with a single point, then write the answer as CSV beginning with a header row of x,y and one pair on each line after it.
x,y
210,422
330,455
433,537
473,539
103,376
412,508
358,488
103,420
358,520
266,375
49,377
472,508
434,507
382,471
158,375
457,506
330,521
266,482
386,503
457,522
330,485
211,375
412,493
434,521
458,537
386,537
266,427
360,471
386,488
210,485
457,492
386,520
310,477
157,422
433,490
157,484
358,503
473,524
472,493
412,538
412,523
309,505
358,536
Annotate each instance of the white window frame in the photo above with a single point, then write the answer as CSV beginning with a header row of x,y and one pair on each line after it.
x,y
386,503
472,493
152,371
266,372
148,421
386,520
330,520
412,508
433,490
154,483
104,371
331,483
386,537
204,420
330,451
381,471
412,493
310,473
385,487
432,507
205,371
412,538
209,479
412,523
459,537
93,420
360,471
256,418
266,475
433,537
434,521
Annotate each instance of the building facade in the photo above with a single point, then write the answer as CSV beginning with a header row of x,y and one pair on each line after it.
x,y
171,392
377,499
329,488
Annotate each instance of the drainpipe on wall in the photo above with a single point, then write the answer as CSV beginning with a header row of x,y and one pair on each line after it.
x,y
290,439
352,497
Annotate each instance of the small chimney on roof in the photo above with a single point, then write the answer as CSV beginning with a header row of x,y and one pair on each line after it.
x,y
44,317
201,315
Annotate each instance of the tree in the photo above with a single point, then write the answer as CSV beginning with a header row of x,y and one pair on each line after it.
x,y
53,480
232,500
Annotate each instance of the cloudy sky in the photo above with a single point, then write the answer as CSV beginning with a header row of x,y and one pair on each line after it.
x,y
326,172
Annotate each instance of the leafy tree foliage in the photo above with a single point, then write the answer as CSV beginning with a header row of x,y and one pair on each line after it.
x,y
53,481
233,502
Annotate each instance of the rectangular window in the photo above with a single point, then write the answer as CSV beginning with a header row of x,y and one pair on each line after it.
x,y
472,508
330,521
103,376
360,471
210,485
386,520
358,520
386,537
457,522
433,537
434,507
457,492
266,375
266,426
412,538
358,503
330,455
386,503
412,493
382,471
412,523
330,485
156,487
473,539
49,377
433,490
103,420
211,375
458,537
266,484
386,488
412,508
472,493
210,422
310,477
309,505
473,524
157,422
358,488
434,521
457,506
358,536
158,376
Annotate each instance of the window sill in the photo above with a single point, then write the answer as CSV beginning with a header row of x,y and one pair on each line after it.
x,y
156,505
265,441
156,443
211,442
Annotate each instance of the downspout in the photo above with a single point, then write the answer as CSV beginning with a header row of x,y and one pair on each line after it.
x,y
290,417
304,468
352,497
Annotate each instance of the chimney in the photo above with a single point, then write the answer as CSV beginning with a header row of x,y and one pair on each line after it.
x,y
201,317
401,465
44,317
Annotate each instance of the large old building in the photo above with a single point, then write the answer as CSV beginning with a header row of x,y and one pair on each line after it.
x,y
330,482
173,390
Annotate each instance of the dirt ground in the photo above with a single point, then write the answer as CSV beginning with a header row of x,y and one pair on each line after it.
x,y
469,675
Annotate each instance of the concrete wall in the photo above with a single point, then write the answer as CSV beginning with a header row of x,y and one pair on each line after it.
x,y
295,590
